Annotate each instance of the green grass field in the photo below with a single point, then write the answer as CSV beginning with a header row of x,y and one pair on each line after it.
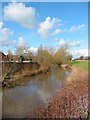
x,y
84,64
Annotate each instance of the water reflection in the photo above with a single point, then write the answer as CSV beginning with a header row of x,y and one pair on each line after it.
x,y
19,101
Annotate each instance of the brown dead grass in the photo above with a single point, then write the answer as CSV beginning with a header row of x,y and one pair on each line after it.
x,y
70,101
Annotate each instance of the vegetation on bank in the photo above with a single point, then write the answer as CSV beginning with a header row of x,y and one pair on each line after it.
x,y
45,55
71,101
12,72
83,64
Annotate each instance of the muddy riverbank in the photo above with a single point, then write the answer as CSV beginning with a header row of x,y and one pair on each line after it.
x,y
12,73
67,66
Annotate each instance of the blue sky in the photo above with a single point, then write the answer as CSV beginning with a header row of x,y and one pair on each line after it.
x,y
49,24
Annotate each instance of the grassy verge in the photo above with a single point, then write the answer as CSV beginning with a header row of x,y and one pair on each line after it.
x,y
85,65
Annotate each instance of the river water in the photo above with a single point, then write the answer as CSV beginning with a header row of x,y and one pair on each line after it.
x,y
18,102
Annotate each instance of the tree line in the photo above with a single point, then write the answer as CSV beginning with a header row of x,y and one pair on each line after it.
x,y
45,55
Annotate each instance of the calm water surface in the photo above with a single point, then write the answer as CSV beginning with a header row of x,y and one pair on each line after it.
x,y
21,100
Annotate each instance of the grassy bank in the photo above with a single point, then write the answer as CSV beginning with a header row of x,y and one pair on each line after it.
x,y
84,64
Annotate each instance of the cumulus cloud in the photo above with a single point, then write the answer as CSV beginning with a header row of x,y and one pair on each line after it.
x,y
77,28
78,53
45,27
1,24
26,16
6,32
76,43
33,50
57,20
72,44
57,31
21,14
4,39
61,42
21,42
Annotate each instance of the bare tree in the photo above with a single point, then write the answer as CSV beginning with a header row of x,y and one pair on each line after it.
x,y
21,50
62,55
43,56
10,55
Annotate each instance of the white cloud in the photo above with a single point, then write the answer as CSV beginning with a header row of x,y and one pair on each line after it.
x,y
77,28
72,44
1,24
45,27
21,14
58,20
61,42
33,50
76,43
57,31
5,35
78,53
21,42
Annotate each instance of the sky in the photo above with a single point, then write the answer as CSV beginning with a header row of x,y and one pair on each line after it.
x,y
48,23
60,0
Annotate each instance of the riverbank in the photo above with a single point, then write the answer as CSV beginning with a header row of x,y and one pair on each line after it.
x,y
12,73
71,101
83,64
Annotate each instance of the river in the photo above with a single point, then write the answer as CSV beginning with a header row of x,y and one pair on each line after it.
x,y
18,102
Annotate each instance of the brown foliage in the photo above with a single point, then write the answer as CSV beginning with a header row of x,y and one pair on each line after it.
x,y
70,102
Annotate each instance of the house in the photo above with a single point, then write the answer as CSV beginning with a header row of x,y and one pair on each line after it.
x,y
87,58
3,57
